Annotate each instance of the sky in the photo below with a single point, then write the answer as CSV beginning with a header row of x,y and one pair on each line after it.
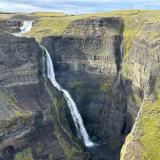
x,y
76,6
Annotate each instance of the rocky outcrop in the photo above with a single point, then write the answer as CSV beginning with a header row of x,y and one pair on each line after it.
x,y
13,22
18,61
9,26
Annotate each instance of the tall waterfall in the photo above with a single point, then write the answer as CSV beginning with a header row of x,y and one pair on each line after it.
x,y
71,104
26,27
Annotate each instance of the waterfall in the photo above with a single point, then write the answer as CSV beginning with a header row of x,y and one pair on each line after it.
x,y
120,68
26,27
71,104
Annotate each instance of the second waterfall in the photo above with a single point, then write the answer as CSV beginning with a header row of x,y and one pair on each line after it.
x,y
71,104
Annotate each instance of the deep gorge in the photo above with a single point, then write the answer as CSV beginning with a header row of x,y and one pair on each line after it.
x,y
107,87
78,68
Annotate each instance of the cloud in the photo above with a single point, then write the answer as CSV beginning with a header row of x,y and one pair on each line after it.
x,y
75,6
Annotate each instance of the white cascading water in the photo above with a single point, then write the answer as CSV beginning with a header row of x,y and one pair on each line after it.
x,y
71,104
26,27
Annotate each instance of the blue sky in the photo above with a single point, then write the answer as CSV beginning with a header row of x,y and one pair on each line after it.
x,y
76,6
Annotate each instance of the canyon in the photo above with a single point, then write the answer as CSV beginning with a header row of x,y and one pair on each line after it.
x,y
111,74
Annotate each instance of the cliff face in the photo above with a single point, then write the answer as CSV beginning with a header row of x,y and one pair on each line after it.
x,y
138,87
26,128
87,59
141,67
9,26
110,68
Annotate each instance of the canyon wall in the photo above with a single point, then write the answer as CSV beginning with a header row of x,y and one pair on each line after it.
x,y
141,68
87,62
26,121
109,79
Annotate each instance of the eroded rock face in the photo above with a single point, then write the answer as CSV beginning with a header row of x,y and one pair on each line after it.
x,y
9,26
18,61
141,67
25,105
87,59
13,24
107,90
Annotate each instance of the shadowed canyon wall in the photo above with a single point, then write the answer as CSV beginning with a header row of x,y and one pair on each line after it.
x,y
108,84
87,62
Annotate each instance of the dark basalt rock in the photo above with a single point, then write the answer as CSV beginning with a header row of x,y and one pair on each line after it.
x,y
10,26
25,117
87,61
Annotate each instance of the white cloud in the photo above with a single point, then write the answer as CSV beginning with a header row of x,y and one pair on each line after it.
x,y
5,7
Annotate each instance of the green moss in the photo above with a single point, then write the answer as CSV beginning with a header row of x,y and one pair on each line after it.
x,y
69,144
129,35
138,100
24,155
10,101
18,115
8,123
69,152
125,147
150,124
24,119
105,86
66,146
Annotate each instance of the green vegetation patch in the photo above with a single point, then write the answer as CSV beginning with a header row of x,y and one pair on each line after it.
x,y
69,144
138,100
150,125
10,101
23,119
49,26
18,115
105,86
24,155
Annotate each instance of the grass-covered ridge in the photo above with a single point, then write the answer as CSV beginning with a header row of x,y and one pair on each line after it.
x,y
144,142
55,23
50,26
24,155
150,125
